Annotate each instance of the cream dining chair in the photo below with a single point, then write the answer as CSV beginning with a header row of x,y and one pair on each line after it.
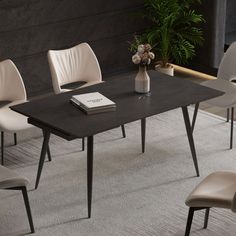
x,y
12,92
74,68
10,180
216,190
224,82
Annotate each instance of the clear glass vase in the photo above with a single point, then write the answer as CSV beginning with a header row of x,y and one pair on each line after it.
x,y
142,81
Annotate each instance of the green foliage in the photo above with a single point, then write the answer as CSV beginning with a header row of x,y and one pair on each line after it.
x,y
173,31
138,39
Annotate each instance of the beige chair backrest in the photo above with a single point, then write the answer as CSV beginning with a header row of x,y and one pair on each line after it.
x,y
75,64
11,84
233,207
227,68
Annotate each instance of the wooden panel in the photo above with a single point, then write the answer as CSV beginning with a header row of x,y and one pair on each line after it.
x,y
65,34
29,28
15,14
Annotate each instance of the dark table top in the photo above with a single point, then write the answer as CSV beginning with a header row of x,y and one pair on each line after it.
x,y
58,115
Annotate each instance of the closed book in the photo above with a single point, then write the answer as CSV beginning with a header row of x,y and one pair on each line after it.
x,y
93,103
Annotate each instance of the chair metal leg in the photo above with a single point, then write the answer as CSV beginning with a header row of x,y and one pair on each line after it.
x,y
195,115
206,218
15,139
189,221
27,206
123,131
2,148
83,144
89,173
143,133
42,157
232,128
190,138
227,119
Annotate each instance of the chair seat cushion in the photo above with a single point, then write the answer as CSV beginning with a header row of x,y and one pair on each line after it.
x,y
11,121
226,100
73,85
216,190
78,85
10,179
91,83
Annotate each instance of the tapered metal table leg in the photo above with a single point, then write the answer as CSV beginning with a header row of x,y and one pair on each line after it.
x,y
190,138
89,173
42,157
143,133
2,148
195,115
232,128
15,139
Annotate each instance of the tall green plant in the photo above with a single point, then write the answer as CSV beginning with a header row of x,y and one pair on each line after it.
x,y
173,31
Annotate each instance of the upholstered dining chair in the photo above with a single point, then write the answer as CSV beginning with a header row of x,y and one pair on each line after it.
x,y
12,92
216,190
10,180
224,82
74,68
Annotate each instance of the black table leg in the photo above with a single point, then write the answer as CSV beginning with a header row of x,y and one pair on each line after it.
x,y
195,115
48,150
2,148
123,131
143,133
15,139
42,157
89,172
232,128
49,154
83,144
190,137
228,113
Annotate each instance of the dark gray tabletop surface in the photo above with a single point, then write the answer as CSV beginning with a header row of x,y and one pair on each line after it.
x,y
167,93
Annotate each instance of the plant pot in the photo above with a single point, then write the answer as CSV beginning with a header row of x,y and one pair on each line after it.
x,y
165,70
142,80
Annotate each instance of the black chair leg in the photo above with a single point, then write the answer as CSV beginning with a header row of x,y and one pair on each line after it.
x,y
2,148
206,218
123,131
227,119
15,139
232,128
189,221
27,206
83,144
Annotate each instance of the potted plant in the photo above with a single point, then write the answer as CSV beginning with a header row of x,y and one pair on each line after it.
x,y
174,31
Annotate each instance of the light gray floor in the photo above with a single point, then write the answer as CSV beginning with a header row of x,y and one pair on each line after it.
x,y
134,194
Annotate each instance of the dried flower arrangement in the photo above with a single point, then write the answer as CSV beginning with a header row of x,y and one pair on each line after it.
x,y
143,56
